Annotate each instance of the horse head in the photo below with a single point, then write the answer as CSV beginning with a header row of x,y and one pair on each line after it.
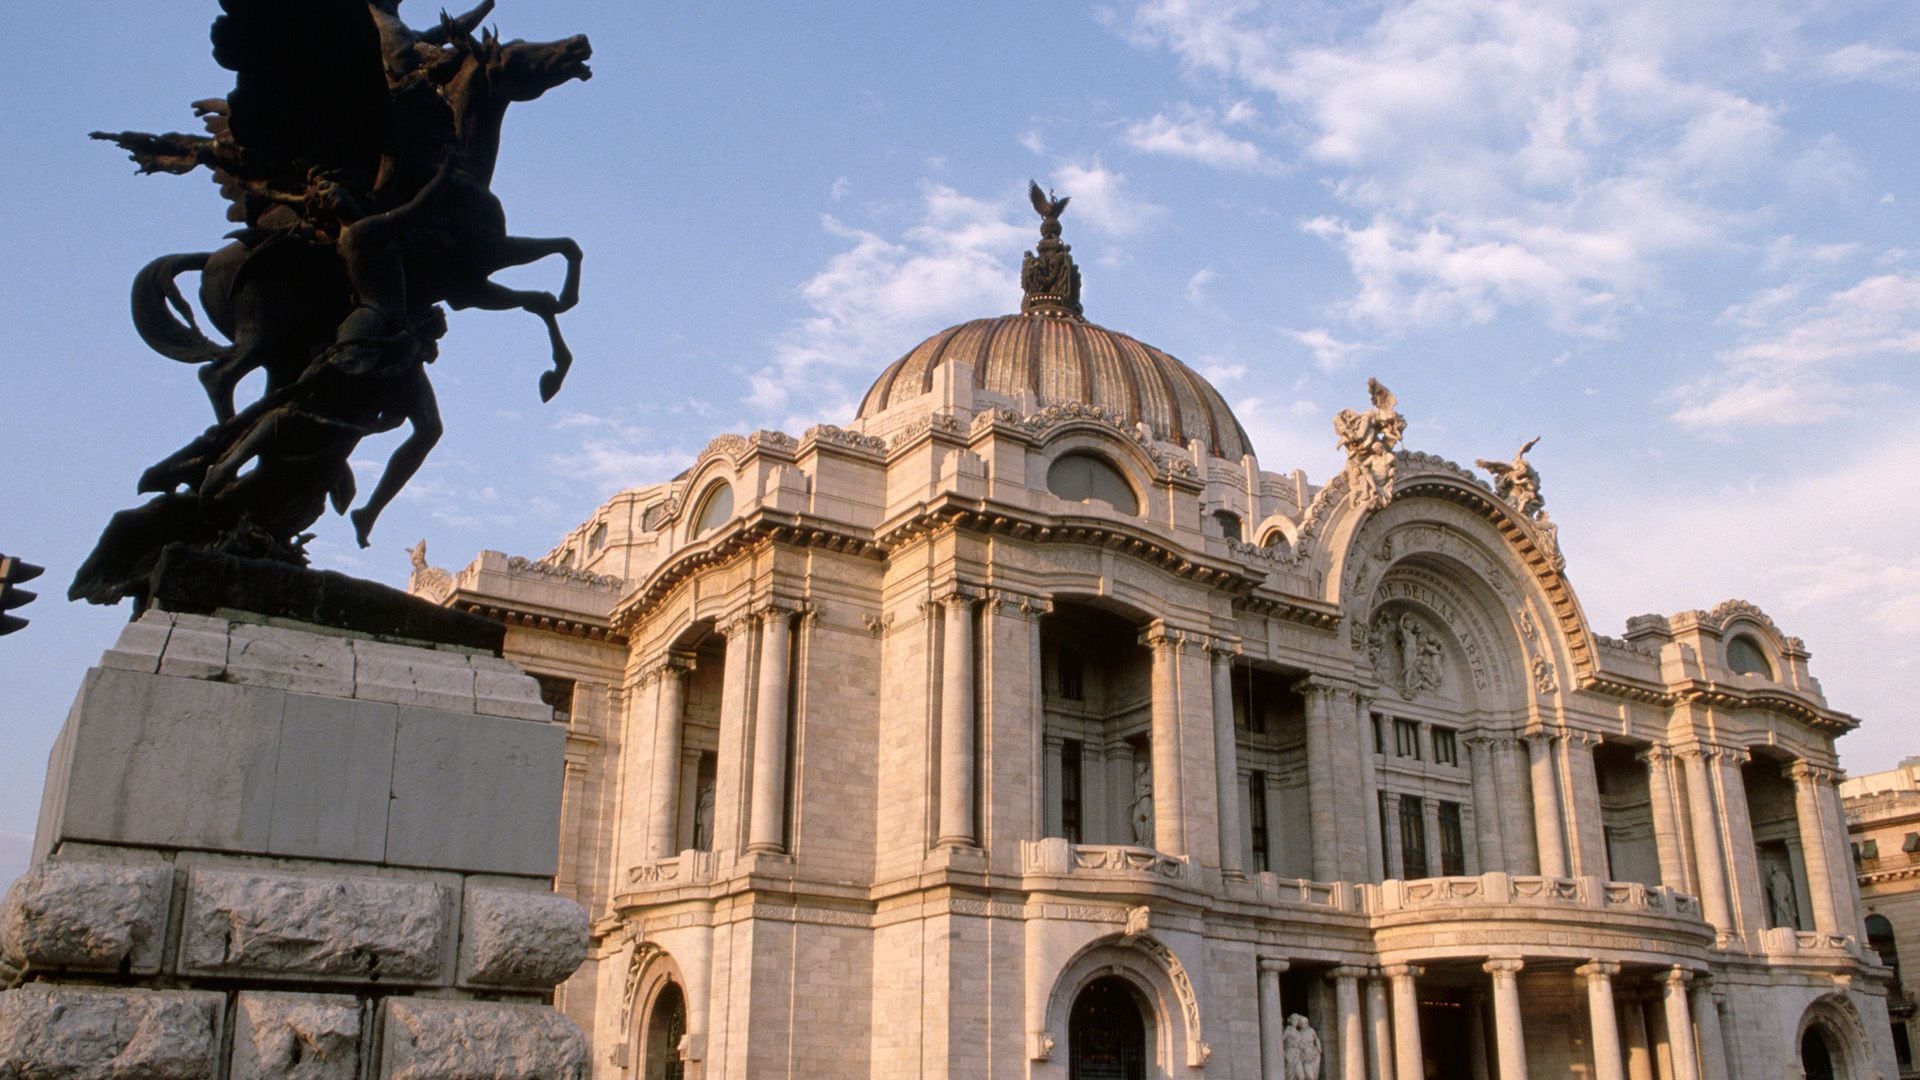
x,y
524,70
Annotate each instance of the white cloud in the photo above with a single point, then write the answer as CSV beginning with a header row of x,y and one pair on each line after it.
x,y
1196,138
1032,140
1103,199
1329,352
1874,63
1197,285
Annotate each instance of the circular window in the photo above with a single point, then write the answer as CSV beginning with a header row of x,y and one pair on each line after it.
x,y
1745,658
1091,478
715,508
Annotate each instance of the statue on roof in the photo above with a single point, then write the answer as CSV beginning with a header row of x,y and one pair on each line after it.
x,y
357,155
1049,279
1370,439
1517,481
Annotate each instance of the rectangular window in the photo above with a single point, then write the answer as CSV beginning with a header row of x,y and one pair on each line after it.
x,y
1387,825
1446,749
1070,790
1406,739
557,692
1453,849
1257,817
1379,734
1072,676
1902,1049
1413,838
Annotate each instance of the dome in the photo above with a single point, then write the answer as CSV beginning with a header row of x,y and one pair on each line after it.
x,y
1062,358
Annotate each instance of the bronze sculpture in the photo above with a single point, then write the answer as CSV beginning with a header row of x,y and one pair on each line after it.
x,y
357,154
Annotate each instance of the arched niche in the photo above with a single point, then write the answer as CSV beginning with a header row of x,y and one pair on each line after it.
x,y
1163,992
652,984
1836,1024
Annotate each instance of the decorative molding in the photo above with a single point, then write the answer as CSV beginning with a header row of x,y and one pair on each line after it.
x,y
520,564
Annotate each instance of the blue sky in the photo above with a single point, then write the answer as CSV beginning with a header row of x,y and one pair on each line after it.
x,y
1677,241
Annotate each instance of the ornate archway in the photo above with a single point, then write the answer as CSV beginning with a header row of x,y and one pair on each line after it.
x,y
1831,1041
1106,1034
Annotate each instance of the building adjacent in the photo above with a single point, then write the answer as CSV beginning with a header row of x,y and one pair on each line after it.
x,y
1026,726
1883,821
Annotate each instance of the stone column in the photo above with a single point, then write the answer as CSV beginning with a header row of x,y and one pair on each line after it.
x,y
1043,810
1273,1024
1508,1036
956,724
1749,897
1369,789
767,824
734,756
1379,1030
1666,823
1169,820
1587,840
1226,762
1711,877
1430,821
1706,1018
1673,993
1351,1027
1516,816
1608,1064
1846,885
1639,1047
669,724
1548,825
1321,823
1055,787
1813,846
1477,1037
1486,805
1388,804
1408,1061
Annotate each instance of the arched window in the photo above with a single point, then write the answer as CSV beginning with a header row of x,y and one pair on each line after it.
x,y
666,1024
1745,658
1106,1039
1229,523
1275,540
1082,477
715,508
1880,940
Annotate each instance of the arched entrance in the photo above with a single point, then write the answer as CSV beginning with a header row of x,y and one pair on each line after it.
x,y
1816,1055
1106,1038
666,1023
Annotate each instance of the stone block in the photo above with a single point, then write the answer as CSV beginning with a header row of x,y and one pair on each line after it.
x,y
165,762
408,675
295,1037
507,693
196,648
95,1034
479,794
141,644
334,779
355,929
518,938
88,916
430,1039
290,659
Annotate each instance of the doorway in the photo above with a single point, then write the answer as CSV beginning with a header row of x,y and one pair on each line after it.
x,y
1106,1038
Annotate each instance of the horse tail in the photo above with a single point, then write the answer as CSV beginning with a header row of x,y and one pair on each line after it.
x,y
154,293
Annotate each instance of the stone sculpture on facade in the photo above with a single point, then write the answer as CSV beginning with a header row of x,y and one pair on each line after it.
x,y
357,155
1300,1050
1049,279
1142,813
1517,481
1781,904
1370,438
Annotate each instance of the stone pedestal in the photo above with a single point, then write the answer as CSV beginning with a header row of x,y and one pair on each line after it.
x,y
270,850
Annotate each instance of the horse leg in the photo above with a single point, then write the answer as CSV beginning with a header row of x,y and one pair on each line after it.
x,y
505,251
492,296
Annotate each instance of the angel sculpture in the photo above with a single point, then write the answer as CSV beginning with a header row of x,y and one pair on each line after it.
x,y
1370,438
1049,279
1517,481
357,153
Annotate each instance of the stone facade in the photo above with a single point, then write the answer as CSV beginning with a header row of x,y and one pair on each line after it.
x,y
907,748
1883,823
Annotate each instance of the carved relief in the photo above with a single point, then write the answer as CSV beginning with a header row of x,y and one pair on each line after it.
x,y
1544,679
1407,652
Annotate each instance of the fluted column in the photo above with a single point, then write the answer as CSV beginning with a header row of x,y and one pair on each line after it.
x,y
1169,819
1350,1026
1508,1034
1711,880
1226,761
1547,822
1706,1019
767,822
1666,823
1477,1036
1486,803
1430,822
1322,826
1518,841
735,756
669,725
1846,885
1586,840
1673,994
1369,790
1639,1048
957,738
1379,1030
1608,1063
1749,897
1813,846
1273,1025
1407,1059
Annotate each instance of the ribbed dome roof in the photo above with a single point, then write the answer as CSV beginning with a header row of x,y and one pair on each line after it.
x,y
1064,359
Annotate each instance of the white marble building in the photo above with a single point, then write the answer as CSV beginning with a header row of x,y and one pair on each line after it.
x,y
1027,727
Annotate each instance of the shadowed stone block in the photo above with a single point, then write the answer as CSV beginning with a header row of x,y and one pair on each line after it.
x,y
430,1039
88,916
282,926
290,659
81,1034
295,1037
406,675
501,689
196,648
476,793
334,779
520,939
140,644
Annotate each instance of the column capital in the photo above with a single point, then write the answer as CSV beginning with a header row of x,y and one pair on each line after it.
x,y
671,665
734,623
1581,738
1508,966
1544,736
1655,754
1804,771
1159,634
1677,977
1598,969
1274,964
958,596
1317,685
1026,604
1347,971
1223,648
1403,971
777,610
